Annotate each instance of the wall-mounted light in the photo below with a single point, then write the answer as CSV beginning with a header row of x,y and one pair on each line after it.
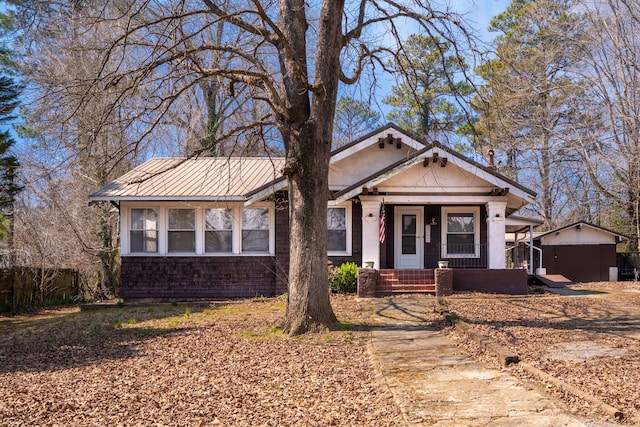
x,y
433,221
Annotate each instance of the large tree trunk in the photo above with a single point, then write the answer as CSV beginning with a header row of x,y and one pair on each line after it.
x,y
309,308
307,139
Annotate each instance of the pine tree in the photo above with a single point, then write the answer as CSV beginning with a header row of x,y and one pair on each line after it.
x,y
9,92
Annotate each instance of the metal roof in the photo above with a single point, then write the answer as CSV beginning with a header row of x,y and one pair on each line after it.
x,y
206,178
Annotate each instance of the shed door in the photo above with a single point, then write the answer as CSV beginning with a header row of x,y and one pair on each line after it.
x,y
408,237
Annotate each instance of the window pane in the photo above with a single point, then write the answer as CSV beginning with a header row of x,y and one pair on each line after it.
x,y
255,219
337,240
218,219
144,219
135,241
182,219
255,240
409,224
336,219
460,244
337,229
217,241
409,245
143,236
143,241
181,241
460,223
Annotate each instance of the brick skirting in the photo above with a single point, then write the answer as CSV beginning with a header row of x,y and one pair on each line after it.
x,y
445,281
200,277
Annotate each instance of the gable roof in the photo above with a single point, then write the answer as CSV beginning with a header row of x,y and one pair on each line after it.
x,y
249,180
205,178
580,224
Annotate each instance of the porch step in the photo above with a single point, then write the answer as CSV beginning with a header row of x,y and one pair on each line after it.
x,y
405,281
404,289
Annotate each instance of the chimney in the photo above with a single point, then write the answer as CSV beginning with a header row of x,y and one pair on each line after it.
x,y
491,154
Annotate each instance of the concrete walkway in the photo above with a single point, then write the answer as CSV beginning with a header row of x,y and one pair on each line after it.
x,y
435,384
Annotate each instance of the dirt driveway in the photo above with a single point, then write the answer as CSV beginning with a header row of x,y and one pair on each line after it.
x,y
589,338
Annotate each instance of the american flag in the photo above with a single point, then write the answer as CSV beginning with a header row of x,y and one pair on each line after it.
x,y
383,220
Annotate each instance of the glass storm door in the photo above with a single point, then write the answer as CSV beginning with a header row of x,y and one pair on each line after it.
x,y
409,237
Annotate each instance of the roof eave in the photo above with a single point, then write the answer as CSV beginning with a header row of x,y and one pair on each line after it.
x,y
167,199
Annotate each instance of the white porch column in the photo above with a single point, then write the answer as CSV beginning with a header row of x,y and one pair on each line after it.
x,y
495,234
371,233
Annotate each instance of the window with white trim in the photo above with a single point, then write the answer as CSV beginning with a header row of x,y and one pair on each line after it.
x,y
218,230
181,230
337,229
461,232
143,232
255,230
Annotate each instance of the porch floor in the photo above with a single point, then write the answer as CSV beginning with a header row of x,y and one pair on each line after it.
x,y
392,281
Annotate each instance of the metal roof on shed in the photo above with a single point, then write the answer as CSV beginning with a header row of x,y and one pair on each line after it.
x,y
206,178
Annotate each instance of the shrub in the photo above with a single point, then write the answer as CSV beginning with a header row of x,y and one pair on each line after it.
x,y
344,279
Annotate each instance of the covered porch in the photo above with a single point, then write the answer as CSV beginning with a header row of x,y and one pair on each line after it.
x,y
410,245
417,233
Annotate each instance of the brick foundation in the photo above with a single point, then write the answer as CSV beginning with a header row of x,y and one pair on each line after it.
x,y
441,281
513,282
200,277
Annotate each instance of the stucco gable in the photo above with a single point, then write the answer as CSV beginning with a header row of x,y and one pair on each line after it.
x,y
377,151
437,169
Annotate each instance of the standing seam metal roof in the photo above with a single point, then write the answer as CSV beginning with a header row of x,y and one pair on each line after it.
x,y
203,178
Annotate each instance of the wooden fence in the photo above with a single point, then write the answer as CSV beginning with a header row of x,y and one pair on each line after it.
x,y
21,286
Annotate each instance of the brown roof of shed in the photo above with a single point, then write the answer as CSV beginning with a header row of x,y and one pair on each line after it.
x,y
206,178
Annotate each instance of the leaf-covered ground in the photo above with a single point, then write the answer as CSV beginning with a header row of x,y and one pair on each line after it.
x,y
230,364
590,340
188,365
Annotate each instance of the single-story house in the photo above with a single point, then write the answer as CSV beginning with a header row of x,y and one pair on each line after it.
x,y
581,252
219,227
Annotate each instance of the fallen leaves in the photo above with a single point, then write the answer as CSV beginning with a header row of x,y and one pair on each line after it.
x,y
190,365
590,340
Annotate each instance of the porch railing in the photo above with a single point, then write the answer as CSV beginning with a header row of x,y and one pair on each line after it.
x,y
464,256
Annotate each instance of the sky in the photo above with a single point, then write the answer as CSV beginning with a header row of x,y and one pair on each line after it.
x,y
476,13
479,13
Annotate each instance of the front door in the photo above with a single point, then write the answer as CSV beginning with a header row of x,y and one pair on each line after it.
x,y
408,237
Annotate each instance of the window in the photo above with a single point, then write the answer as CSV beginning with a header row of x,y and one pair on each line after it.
x,y
181,232
337,229
143,236
461,232
218,234
255,230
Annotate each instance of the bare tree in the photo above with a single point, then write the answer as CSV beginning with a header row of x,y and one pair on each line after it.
x,y
353,119
283,58
613,72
